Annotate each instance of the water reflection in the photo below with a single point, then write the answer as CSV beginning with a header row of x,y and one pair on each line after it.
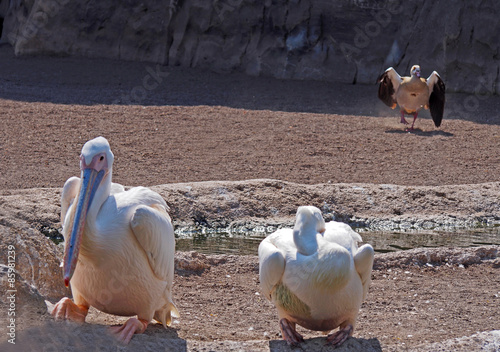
x,y
394,241
221,243
247,242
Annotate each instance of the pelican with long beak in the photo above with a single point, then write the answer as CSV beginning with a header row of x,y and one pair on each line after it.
x,y
315,275
119,247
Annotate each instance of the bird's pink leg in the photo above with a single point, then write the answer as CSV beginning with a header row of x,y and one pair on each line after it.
x,y
66,309
290,335
125,332
414,118
403,120
339,337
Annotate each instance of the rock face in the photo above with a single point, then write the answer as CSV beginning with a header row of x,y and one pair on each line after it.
x,y
483,341
37,262
345,40
252,203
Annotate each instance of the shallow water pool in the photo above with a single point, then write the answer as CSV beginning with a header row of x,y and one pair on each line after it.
x,y
220,242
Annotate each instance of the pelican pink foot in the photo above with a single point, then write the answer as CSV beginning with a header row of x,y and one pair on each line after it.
x,y
124,333
66,309
339,337
290,335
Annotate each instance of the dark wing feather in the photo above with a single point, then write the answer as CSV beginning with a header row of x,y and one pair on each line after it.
x,y
386,90
436,101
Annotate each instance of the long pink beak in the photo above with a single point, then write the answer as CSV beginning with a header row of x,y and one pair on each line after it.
x,y
90,181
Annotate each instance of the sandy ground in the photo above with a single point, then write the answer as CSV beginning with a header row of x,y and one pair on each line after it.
x,y
198,126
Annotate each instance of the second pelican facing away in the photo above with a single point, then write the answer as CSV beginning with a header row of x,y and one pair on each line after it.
x,y
315,275
119,247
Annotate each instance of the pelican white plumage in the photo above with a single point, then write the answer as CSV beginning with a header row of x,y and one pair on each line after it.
x,y
315,275
413,93
119,247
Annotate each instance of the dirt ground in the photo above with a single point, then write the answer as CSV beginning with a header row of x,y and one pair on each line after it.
x,y
201,126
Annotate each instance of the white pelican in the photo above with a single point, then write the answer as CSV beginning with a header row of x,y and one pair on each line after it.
x,y
119,247
315,275
413,93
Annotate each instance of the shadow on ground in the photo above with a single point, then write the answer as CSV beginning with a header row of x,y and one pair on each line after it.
x,y
319,344
419,132
72,337
84,81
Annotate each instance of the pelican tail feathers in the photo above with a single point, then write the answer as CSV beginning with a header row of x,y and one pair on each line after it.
x,y
165,314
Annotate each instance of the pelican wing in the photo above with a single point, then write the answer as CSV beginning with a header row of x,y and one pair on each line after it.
x,y
363,261
153,229
437,92
271,265
342,234
69,193
389,83
116,188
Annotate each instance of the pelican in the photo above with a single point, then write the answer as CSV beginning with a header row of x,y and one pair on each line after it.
x,y
413,93
119,247
315,275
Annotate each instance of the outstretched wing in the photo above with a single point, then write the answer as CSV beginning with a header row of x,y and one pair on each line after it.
x,y
153,229
271,266
389,83
437,91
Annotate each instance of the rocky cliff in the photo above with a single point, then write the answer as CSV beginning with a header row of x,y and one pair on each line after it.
x,y
343,40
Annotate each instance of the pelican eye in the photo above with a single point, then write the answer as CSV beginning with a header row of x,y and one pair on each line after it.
x,y
101,158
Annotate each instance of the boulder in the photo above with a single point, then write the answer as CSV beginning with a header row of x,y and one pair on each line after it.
x,y
26,223
22,302
481,341
37,261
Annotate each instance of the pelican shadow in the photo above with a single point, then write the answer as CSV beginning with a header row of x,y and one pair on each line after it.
x,y
68,336
419,132
319,344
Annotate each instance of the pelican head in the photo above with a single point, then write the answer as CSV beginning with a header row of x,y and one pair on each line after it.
x,y
308,222
96,162
309,216
415,71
